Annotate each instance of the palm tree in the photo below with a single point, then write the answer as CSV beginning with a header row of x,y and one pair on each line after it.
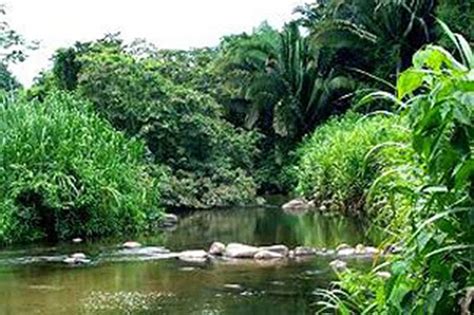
x,y
288,86
388,31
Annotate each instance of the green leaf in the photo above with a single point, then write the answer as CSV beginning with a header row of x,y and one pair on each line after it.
x,y
408,82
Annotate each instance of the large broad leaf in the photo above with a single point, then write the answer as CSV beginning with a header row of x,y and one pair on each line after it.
x,y
408,82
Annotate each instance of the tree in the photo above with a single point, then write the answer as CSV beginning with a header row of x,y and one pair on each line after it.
x,y
289,87
387,32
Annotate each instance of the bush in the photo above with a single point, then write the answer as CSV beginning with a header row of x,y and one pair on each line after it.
x,y
337,165
65,172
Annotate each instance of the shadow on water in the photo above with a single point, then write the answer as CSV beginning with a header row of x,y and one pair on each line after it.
x,y
175,287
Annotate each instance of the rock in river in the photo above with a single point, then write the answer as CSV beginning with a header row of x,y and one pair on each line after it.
x,y
266,254
346,252
198,256
280,249
295,205
131,245
236,250
78,256
76,259
342,246
305,251
217,249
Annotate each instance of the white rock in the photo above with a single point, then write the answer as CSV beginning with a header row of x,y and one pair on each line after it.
x,y
369,250
77,240
131,245
69,260
346,252
280,249
342,246
304,251
295,204
338,265
217,248
236,250
265,254
194,253
78,256
233,286
76,261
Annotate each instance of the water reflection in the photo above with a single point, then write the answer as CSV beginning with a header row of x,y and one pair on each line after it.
x,y
264,226
174,287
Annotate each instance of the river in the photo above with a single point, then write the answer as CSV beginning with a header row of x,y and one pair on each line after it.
x,y
114,285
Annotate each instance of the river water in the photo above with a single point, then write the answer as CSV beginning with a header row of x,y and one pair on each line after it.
x,y
113,285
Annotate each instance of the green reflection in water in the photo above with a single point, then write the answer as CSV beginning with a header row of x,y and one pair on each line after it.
x,y
174,287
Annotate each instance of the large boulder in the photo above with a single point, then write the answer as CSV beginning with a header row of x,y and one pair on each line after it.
x,y
280,249
236,250
266,254
217,249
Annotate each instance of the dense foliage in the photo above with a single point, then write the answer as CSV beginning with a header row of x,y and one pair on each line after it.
x,y
434,273
337,166
209,160
64,172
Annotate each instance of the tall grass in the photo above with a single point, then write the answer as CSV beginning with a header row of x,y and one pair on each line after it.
x,y
65,172
337,166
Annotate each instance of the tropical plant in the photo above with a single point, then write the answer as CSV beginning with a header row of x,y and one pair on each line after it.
x,y
287,89
386,33
65,172
434,272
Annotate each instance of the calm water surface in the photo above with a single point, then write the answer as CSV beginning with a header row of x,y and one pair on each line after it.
x,y
113,286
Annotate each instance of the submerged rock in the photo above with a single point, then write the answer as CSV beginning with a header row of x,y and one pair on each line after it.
x,y
295,205
305,251
145,251
76,259
266,254
131,245
217,249
338,265
236,250
198,256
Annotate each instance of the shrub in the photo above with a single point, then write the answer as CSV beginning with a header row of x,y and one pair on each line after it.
x,y
65,172
338,166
